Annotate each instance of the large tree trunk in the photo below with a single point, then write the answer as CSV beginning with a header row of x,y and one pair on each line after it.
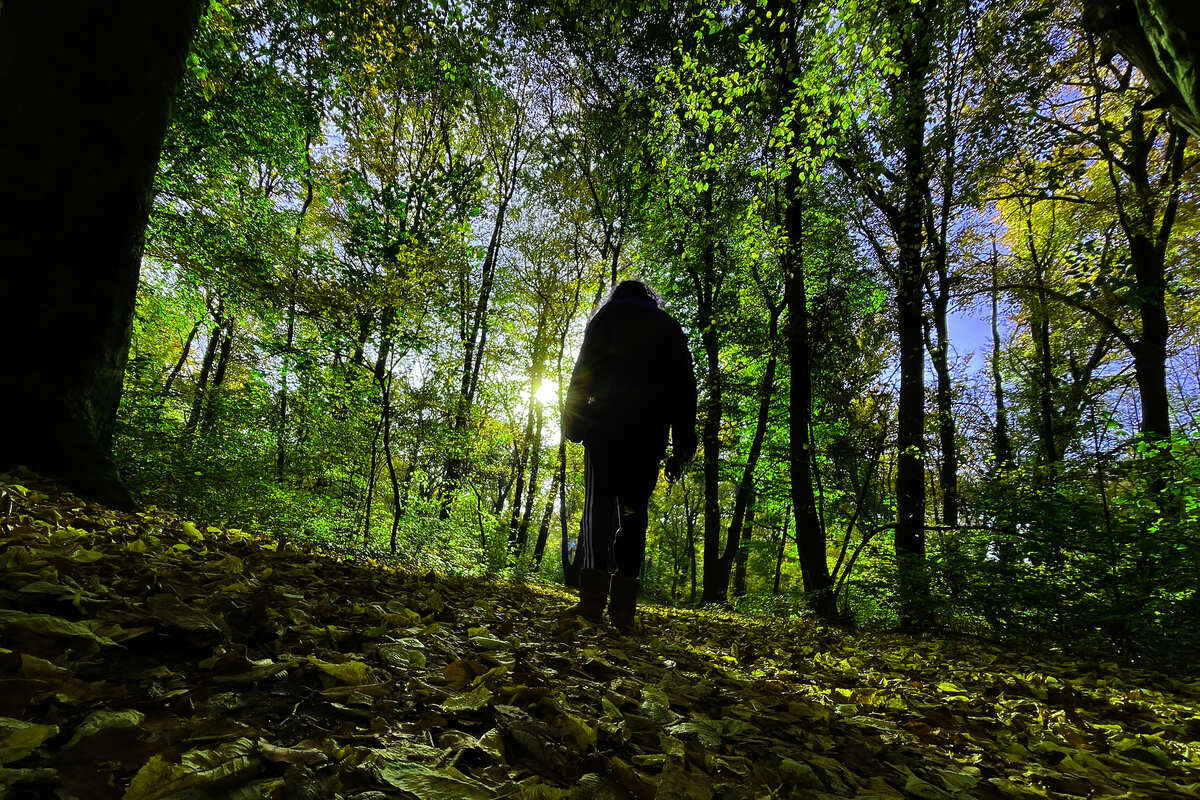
x,y
810,533
88,87
911,116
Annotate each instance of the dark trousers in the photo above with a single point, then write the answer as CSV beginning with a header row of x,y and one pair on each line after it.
x,y
615,511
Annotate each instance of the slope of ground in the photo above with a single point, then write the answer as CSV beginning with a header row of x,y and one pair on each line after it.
x,y
143,656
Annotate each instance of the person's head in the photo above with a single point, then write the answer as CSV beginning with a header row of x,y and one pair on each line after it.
x,y
634,290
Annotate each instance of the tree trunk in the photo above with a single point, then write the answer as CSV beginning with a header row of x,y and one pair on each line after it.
x,y
911,116
743,505
1039,323
210,410
371,482
92,83
385,388
743,553
210,354
473,344
1001,444
544,529
716,569
535,460
516,544
183,356
810,534
281,435
783,537
939,354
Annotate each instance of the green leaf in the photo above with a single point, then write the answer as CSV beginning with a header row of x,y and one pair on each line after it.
x,y
100,721
432,784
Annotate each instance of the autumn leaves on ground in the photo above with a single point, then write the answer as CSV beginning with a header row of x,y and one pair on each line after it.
x,y
143,656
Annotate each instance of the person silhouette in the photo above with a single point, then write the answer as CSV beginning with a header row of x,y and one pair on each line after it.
x,y
633,383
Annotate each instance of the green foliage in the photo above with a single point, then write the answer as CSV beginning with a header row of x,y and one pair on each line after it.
x,y
379,229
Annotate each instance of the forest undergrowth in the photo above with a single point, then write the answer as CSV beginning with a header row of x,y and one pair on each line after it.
x,y
145,656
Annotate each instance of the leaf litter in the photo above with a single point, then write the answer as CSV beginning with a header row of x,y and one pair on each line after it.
x,y
143,657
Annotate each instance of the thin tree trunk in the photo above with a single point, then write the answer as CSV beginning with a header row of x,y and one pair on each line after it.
x,y
183,356
535,460
210,409
514,525
473,347
705,284
385,387
1001,444
548,512
1040,328
939,354
371,482
281,433
743,553
744,501
210,353
505,484
285,358
783,537
690,514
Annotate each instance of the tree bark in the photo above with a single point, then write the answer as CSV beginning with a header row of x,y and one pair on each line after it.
x,y
716,572
810,534
911,116
91,84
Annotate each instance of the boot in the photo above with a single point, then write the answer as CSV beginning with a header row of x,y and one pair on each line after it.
x,y
623,603
593,594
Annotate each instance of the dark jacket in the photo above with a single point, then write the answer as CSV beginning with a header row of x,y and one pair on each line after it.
x,y
632,382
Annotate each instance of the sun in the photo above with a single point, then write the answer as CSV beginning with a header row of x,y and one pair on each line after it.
x,y
547,393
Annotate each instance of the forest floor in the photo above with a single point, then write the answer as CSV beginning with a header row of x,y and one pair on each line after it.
x,y
144,656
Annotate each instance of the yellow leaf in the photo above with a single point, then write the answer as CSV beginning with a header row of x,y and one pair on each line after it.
x,y
354,673
19,738
192,532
